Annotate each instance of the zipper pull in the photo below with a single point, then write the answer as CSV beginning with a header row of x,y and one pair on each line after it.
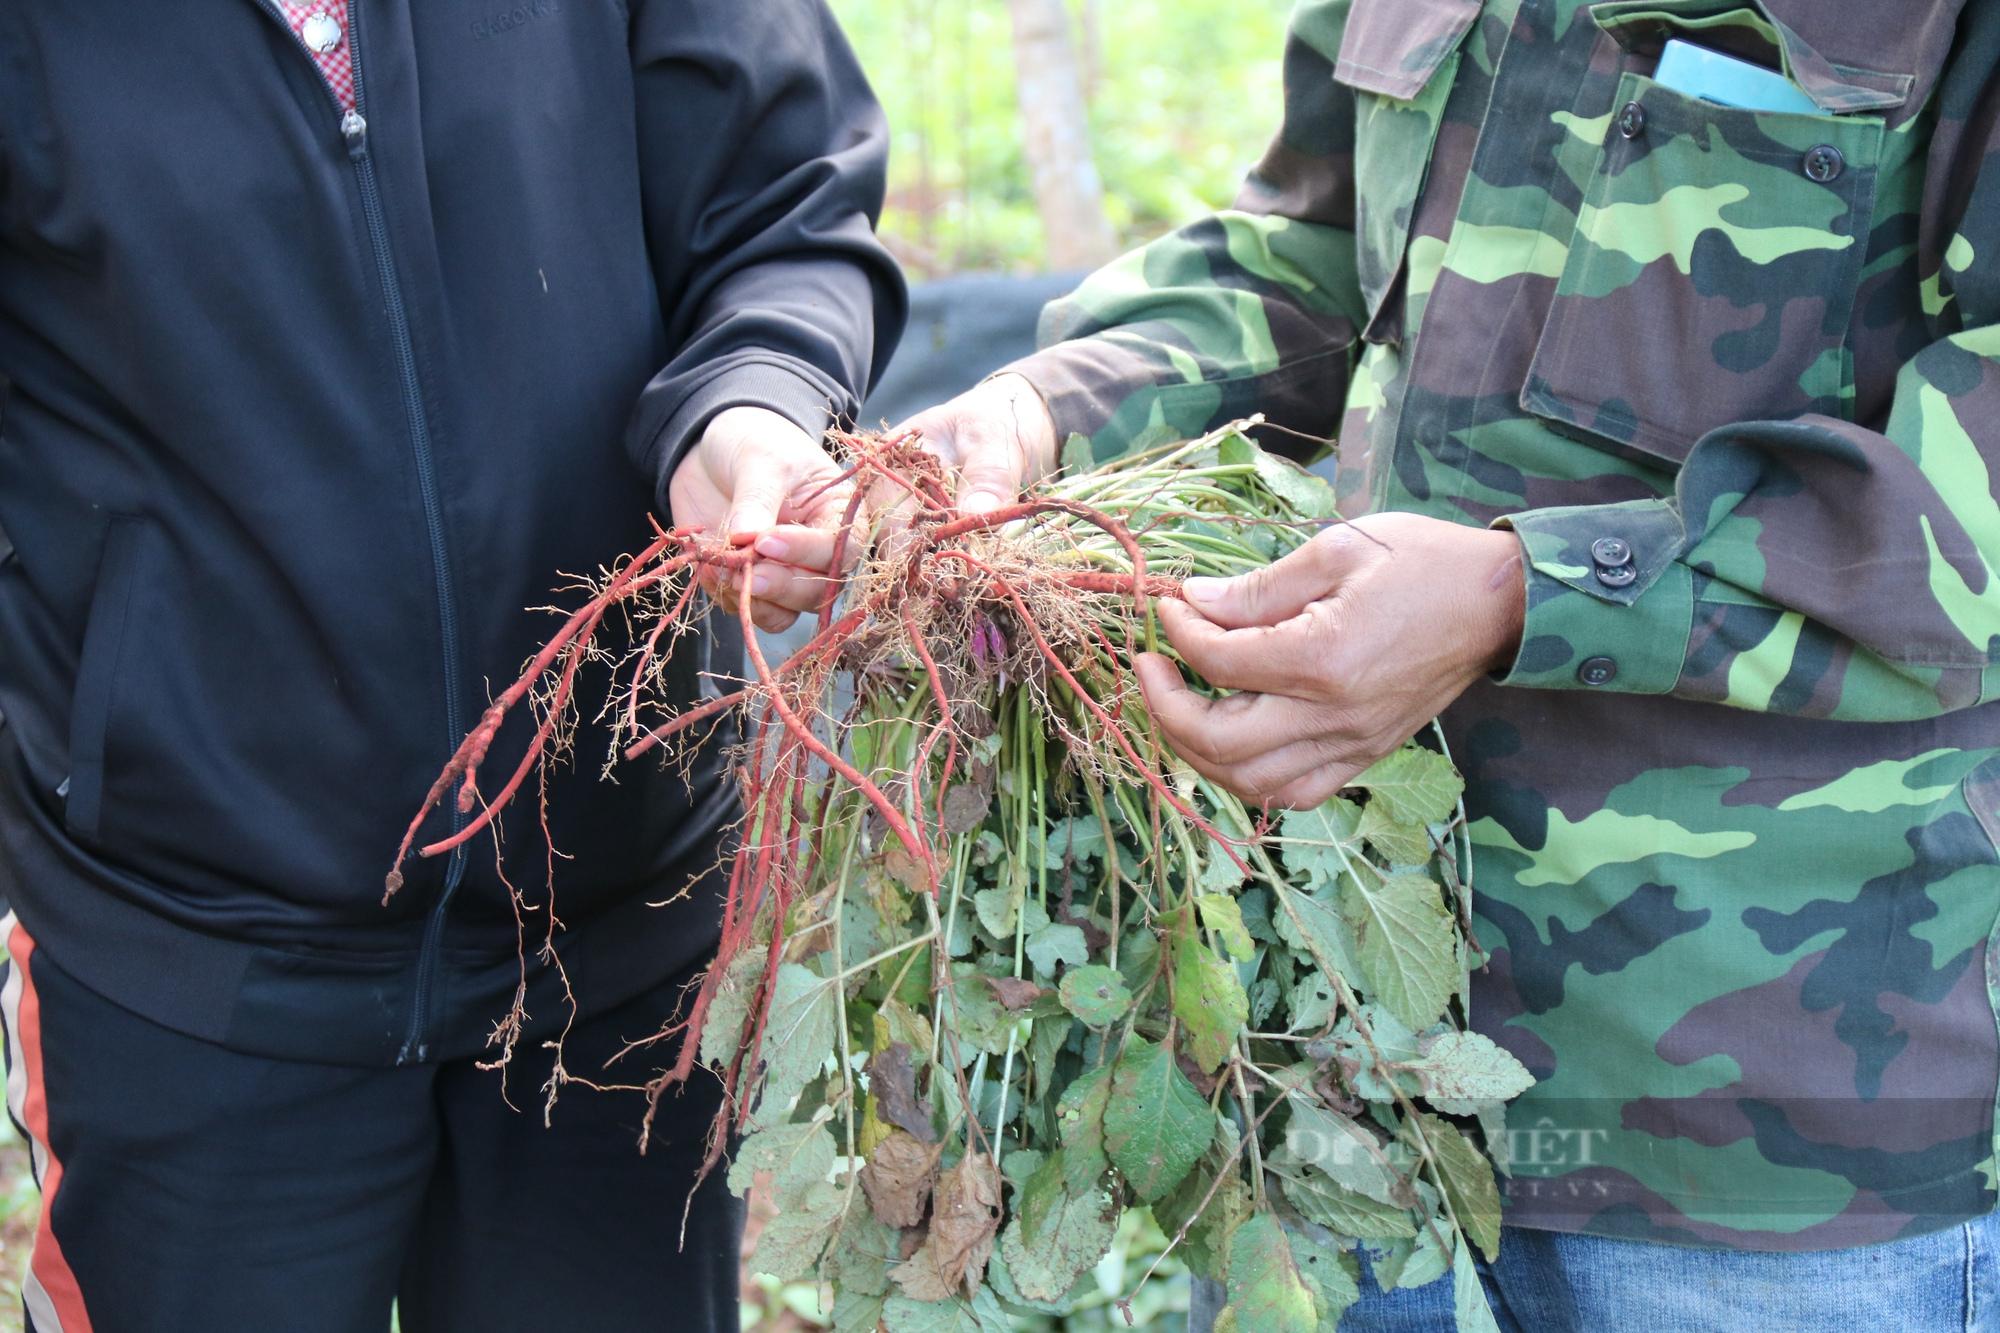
x,y
355,131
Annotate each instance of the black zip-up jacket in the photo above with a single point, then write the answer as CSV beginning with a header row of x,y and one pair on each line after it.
x,y
302,412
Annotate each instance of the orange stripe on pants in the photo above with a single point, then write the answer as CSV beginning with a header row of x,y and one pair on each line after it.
x,y
50,1290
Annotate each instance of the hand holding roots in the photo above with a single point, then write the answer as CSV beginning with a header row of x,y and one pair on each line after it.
x,y
984,933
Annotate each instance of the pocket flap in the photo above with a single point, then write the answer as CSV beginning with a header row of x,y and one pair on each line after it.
x,y
1747,28
1393,47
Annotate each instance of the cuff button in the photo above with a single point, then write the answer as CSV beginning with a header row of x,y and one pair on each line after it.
x,y
1598,670
1617,576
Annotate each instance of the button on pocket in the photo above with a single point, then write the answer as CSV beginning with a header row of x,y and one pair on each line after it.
x,y
1824,163
1632,120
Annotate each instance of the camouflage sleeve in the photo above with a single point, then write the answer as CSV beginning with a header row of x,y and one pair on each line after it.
x,y
1255,309
1810,567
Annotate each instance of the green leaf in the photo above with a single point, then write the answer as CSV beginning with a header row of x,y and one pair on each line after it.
x,y
1463,1071
1266,1291
1468,1295
1056,1236
1222,915
1418,786
982,1314
1332,1277
1319,931
791,1244
861,1258
1219,873
1401,844
1308,495
856,1311
1097,995
1310,836
1340,1210
1346,1151
1045,1044
800,1033
1468,1183
982,1023
1080,1113
1235,449
998,909
1077,455
1002,1282
797,1156
1079,839
1208,999
1058,943
1425,1264
1155,1123
1407,943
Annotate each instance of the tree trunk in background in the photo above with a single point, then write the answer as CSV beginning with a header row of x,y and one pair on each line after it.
x,y
1056,126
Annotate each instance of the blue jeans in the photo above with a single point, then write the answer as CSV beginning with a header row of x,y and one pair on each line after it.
x,y
1552,1282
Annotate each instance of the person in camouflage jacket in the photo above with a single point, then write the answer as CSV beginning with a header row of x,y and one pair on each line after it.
x,y
1725,385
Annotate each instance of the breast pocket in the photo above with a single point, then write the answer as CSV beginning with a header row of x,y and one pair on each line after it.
x,y
1712,272
1401,58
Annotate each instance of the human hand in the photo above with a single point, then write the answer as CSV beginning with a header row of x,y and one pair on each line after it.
x,y
998,436
754,476
1342,651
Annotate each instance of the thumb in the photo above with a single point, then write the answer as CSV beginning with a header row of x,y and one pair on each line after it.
x,y
761,483
992,470
1277,592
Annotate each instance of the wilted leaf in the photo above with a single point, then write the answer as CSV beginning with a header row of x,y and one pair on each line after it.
x,y
965,1217
1340,1210
1080,1112
1155,1124
982,1314
1419,786
792,1242
1266,1291
1327,1276
1209,1001
895,1087
1468,1295
1406,943
1097,995
797,1156
1345,1151
1463,1071
1468,1183
799,1035
1222,915
1402,844
964,806
907,1026
898,1179
1015,993
1057,1236
1307,494
729,1010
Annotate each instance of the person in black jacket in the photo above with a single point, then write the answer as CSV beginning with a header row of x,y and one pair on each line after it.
x,y
334,336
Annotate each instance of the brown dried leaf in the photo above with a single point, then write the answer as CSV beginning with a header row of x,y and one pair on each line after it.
x,y
1015,992
919,1275
895,1087
898,1178
965,1215
965,806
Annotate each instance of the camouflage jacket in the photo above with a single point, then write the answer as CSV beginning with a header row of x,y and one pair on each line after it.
x,y
1734,379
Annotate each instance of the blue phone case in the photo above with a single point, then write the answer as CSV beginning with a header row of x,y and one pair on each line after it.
x,y
1712,76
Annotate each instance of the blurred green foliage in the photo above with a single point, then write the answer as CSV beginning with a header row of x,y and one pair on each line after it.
x,y
1184,96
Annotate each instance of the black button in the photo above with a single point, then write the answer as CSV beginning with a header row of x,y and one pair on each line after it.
x,y
1617,576
1598,670
1610,551
1632,120
1824,163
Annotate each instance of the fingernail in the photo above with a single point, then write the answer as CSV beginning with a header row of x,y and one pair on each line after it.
x,y
979,502
776,548
759,585
1201,589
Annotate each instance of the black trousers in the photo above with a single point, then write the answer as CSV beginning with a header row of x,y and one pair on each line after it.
x,y
192,1189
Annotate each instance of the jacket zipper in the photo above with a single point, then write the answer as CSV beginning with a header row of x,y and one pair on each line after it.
x,y
354,132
